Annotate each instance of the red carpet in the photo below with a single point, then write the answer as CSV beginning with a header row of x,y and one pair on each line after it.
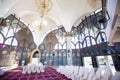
x,y
49,74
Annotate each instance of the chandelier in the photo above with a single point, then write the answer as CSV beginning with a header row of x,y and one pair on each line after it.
x,y
43,6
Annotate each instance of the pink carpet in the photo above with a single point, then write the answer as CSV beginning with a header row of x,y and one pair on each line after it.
x,y
49,74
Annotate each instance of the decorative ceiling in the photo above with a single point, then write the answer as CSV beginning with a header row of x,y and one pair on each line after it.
x,y
63,12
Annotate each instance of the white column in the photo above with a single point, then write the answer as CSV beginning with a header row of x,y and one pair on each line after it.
x,y
69,52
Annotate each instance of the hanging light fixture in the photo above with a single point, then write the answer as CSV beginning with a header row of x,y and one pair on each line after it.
x,y
43,7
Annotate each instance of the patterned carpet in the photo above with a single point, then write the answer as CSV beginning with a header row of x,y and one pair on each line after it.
x,y
49,74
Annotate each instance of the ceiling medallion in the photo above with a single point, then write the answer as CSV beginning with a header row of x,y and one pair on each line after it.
x,y
68,35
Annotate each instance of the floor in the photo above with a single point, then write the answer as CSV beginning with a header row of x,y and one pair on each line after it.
x,y
49,74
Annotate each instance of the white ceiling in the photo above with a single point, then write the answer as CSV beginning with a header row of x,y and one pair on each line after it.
x,y
63,12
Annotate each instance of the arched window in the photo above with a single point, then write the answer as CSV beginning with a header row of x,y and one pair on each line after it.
x,y
78,45
81,37
84,44
72,45
11,41
101,37
1,38
88,41
65,45
93,42
74,39
61,40
58,46
7,32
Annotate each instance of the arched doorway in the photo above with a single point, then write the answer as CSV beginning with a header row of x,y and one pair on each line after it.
x,y
35,56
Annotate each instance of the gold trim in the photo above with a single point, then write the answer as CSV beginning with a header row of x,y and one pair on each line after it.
x,y
43,6
31,54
